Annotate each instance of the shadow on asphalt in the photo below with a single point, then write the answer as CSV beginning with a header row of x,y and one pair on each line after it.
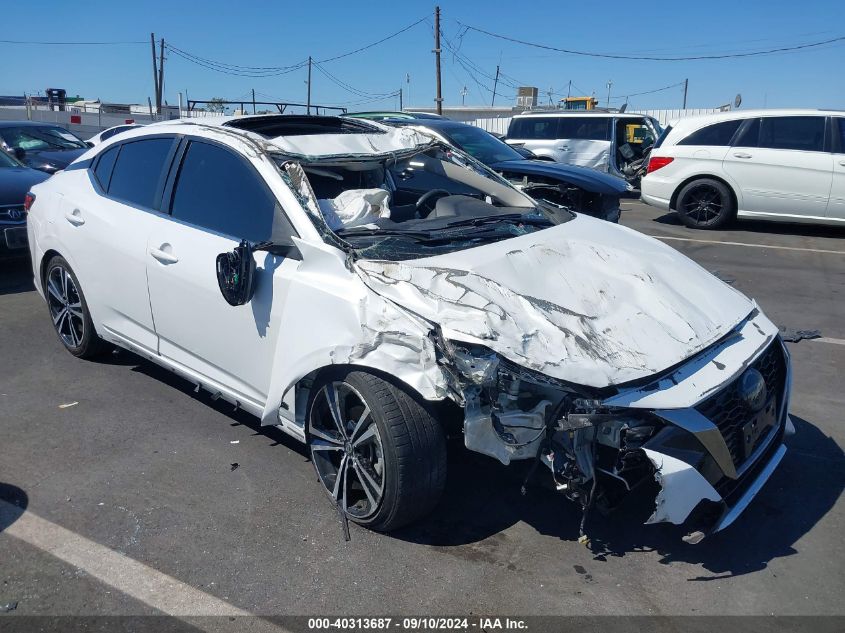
x,y
761,227
16,503
483,498
15,276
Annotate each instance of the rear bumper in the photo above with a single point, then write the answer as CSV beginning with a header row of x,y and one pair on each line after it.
x,y
654,201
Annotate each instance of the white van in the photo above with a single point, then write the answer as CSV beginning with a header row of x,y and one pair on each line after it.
x,y
614,142
783,165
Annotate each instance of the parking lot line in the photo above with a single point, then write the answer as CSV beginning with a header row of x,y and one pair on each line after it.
x,y
133,578
773,246
826,339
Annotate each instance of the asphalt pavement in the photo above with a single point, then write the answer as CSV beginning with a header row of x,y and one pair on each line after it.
x,y
126,493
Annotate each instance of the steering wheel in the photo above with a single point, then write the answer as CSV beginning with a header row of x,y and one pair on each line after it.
x,y
428,195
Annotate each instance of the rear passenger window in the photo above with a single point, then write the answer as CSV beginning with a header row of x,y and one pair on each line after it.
x,y
104,167
218,190
718,134
840,123
584,128
139,171
793,132
541,128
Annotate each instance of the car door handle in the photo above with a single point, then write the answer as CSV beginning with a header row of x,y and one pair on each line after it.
x,y
742,155
75,217
842,162
163,256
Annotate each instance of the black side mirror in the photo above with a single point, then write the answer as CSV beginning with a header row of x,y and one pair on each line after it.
x,y
236,274
89,144
20,153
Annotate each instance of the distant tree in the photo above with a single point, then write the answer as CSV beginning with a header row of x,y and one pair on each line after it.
x,y
215,104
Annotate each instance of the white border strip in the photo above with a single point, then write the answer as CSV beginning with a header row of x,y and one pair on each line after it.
x,y
772,246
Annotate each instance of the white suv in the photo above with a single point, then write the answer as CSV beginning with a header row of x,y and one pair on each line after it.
x,y
784,165
367,289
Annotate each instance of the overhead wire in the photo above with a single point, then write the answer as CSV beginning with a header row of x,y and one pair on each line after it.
x,y
570,51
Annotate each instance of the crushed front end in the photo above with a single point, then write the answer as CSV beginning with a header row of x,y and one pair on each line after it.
x,y
709,432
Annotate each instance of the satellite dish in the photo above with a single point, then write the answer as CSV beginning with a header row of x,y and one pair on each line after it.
x,y
737,100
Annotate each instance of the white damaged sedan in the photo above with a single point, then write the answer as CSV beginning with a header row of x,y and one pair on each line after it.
x,y
365,287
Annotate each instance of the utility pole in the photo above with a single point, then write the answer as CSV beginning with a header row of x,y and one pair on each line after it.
x,y
569,90
160,77
408,81
400,99
495,84
253,100
157,90
308,107
609,85
686,85
464,92
439,98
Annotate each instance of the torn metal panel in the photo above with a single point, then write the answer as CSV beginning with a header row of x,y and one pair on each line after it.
x,y
343,145
682,488
586,302
705,374
346,323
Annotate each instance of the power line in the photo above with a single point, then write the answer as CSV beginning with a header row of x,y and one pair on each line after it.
x,y
648,92
351,89
384,39
781,49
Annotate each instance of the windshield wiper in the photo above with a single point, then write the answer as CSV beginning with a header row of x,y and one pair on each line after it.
x,y
360,231
510,218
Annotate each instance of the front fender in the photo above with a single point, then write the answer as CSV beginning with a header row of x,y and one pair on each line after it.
x,y
332,318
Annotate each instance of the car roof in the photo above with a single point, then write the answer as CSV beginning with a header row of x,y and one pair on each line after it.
x,y
700,120
563,113
308,136
30,124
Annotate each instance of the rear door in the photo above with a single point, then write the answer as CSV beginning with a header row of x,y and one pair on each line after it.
x,y
781,166
584,141
836,205
105,227
537,133
216,199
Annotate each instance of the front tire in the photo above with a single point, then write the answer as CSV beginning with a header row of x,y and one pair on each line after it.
x,y
705,204
69,311
378,452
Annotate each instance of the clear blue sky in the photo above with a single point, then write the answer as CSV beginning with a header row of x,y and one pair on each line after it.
x,y
284,33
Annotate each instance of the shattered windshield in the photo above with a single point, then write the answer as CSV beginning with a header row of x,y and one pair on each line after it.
x,y
40,138
415,204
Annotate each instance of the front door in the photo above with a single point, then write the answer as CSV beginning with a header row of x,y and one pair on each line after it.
x,y
836,205
218,199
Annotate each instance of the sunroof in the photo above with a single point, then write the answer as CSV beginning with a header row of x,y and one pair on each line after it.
x,y
301,125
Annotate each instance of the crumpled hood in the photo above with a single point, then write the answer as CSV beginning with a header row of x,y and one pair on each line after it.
x,y
588,179
588,302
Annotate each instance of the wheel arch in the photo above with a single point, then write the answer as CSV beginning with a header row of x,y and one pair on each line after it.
x,y
673,201
49,254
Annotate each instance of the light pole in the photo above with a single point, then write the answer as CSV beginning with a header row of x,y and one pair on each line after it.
x,y
609,84
464,92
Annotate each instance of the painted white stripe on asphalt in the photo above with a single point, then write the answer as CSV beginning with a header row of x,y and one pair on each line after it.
x,y
832,341
781,248
135,579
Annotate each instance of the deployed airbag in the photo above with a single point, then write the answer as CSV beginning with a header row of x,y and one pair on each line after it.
x,y
355,206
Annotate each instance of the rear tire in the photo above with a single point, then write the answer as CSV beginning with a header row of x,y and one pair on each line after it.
x,y
384,465
69,311
705,204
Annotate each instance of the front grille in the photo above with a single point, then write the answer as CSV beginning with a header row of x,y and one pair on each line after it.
x,y
13,214
729,413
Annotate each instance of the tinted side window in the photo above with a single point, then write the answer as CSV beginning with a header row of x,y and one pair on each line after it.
x,y
719,134
104,167
793,132
117,130
139,171
840,123
533,128
584,128
219,191
749,134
